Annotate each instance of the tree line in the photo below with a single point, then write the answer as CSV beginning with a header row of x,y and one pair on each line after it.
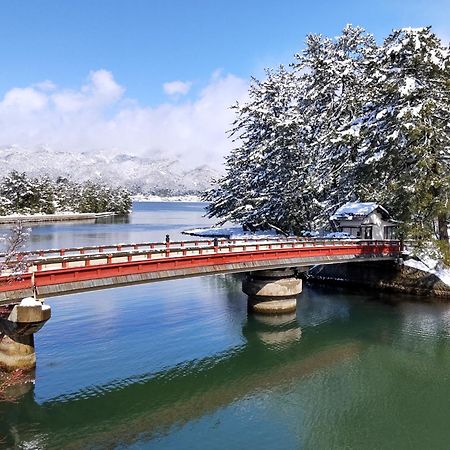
x,y
21,194
347,120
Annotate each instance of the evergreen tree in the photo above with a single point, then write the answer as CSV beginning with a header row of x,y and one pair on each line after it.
x,y
348,121
21,195
403,134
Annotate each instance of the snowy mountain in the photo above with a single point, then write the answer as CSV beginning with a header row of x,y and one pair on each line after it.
x,y
140,175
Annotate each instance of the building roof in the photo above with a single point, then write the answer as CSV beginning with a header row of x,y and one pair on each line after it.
x,y
357,210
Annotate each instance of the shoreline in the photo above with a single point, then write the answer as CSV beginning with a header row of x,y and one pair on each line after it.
x,y
170,199
37,218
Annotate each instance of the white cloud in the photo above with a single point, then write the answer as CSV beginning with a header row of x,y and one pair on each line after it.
x,y
177,87
23,100
99,116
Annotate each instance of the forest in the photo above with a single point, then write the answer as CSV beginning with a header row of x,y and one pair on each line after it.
x,y
20,194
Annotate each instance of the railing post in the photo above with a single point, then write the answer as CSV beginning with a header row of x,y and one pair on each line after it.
x,y
109,259
216,245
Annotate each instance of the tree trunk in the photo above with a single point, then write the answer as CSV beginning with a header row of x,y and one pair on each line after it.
x,y
442,227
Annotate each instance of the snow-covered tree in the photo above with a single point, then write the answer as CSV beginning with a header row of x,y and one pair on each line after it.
x,y
287,170
350,120
11,243
23,195
403,133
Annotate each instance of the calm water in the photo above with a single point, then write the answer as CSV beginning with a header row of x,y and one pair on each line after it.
x,y
180,364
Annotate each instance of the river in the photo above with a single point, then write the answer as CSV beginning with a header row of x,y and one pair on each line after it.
x,y
181,365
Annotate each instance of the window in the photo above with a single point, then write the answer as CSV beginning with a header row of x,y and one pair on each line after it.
x,y
368,233
389,232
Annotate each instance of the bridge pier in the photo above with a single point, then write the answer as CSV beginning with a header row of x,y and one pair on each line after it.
x,y
272,291
18,323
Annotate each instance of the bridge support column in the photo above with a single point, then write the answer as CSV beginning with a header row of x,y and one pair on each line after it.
x,y
272,291
17,333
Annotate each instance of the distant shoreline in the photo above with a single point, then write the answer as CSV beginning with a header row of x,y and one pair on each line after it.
x,y
175,198
36,218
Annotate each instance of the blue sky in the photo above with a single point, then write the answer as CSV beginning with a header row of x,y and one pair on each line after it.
x,y
144,44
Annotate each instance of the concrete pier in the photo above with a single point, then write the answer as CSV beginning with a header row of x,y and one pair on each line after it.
x,y
272,291
17,334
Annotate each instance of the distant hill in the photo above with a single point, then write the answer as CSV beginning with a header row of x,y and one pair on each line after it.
x,y
140,175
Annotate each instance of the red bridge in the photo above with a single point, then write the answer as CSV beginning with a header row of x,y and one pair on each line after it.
x,y
62,271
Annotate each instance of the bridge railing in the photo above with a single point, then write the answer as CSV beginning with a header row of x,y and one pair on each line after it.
x,y
186,249
144,246
93,249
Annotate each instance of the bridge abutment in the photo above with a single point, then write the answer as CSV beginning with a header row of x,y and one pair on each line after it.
x,y
17,333
272,291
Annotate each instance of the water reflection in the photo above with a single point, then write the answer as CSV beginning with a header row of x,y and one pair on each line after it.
x,y
176,396
275,331
180,364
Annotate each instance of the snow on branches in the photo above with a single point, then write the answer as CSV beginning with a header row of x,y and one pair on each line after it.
x,y
12,263
348,120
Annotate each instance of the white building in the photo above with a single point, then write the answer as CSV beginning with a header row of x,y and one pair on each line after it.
x,y
364,221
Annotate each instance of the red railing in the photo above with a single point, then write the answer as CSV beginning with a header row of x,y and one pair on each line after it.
x,y
153,257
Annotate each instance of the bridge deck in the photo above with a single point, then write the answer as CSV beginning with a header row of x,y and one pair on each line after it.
x,y
60,271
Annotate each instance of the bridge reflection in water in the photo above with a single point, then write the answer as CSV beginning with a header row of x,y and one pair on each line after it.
x,y
342,361
275,354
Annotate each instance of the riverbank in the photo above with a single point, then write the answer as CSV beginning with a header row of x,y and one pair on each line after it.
x,y
158,198
36,218
394,276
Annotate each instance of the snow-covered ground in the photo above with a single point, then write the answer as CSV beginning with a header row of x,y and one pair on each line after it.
x,y
233,232
430,266
60,216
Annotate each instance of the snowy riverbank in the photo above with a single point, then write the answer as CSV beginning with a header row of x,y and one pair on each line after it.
x,y
158,198
232,232
60,217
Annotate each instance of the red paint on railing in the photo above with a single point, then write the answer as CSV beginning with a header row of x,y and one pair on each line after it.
x,y
295,250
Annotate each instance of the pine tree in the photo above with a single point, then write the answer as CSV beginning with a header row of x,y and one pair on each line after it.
x,y
288,170
348,121
404,142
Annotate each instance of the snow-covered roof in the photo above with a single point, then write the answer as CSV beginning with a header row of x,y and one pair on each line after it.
x,y
357,210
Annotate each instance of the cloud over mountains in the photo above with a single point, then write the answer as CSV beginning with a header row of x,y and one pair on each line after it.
x,y
99,116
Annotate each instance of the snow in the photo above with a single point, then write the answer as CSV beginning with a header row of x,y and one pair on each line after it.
x,y
147,175
351,209
158,198
236,232
30,301
430,266
408,87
